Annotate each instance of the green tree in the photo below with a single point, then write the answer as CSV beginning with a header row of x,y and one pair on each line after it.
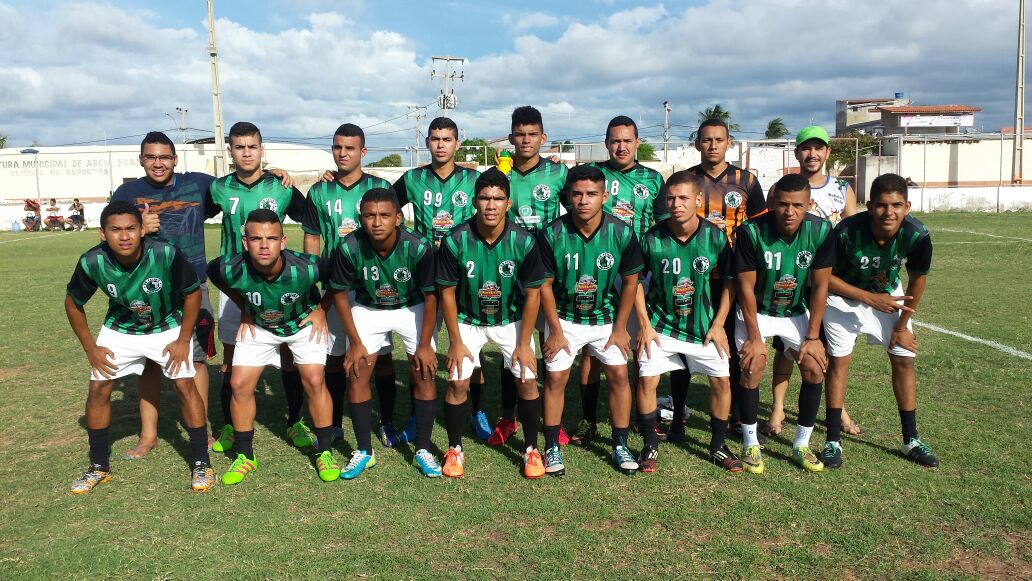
x,y
476,149
392,160
843,152
646,152
3,141
718,112
776,129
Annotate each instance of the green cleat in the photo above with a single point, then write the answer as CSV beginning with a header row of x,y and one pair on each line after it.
x,y
300,435
224,443
805,457
327,466
241,467
752,460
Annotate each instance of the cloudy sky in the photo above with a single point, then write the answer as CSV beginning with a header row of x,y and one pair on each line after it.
x,y
75,72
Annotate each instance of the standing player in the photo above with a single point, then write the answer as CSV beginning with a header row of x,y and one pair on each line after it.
x,y
482,266
391,272
236,195
583,253
866,298
153,301
783,260
682,322
276,291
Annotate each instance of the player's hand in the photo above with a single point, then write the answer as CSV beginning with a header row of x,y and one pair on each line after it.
x,y
814,349
621,339
100,361
178,353
646,338
904,338
425,361
718,337
457,352
151,221
246,326
327,176
320,331
555,343
354,357
525,359
754,356
555,159
887,303
284,178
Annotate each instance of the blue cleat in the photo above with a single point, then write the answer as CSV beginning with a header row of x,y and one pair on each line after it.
x,y
358,464
409,435
388,436
427,464
481,428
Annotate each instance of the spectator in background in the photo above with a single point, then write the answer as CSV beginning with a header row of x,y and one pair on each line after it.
x,y
54,221
32,220
77,216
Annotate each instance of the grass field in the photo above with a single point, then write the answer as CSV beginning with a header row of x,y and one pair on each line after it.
x,y
878,517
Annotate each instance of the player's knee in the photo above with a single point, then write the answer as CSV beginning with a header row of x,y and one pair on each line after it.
x,y
811,372
99,392
901,364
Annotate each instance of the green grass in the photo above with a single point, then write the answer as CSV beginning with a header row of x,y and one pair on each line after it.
x,y
878,517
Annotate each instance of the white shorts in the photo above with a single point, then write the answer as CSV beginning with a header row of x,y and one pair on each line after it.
x,y
264,349
792,330
845,319
674,355
594,337
131,352
375,327
339,339
505,336
229,319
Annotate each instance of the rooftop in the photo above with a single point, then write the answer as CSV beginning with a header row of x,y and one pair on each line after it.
x,y
928,109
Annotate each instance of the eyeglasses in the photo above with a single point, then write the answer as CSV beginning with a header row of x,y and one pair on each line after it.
x,y
154,158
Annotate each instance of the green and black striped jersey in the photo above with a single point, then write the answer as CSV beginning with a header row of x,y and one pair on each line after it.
x,y
584,269
142,300
535,194
332,209
396,281
488,277
236,200
862,262
680,301
278,305
635,195
783,266
438,204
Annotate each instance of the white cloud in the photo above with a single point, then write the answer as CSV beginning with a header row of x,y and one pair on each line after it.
x,y
531,20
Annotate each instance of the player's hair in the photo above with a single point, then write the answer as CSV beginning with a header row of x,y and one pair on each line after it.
x,y
682,177
263,216
792,182
493,177
444,123
713,122
158,138
350,130
527,115
380,195
53,201
244,129
117,208
585,172
621,121
889,183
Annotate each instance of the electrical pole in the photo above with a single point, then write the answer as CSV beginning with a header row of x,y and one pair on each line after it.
x,y
447,99
666,130
1019,101
418,112
216,98
180,125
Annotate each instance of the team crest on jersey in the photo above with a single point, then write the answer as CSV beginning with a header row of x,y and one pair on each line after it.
x,y
733,199
641,191
347,226
386,295
701,264
804,259
490,298
403,274
152,285
271,317
605,261
142,311
289,298
459,199
507,268
268,204
897,261
541,192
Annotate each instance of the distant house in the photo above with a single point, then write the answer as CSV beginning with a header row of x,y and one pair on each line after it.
x,y
926,119
863,115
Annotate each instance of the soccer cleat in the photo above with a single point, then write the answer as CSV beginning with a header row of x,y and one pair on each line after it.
x,y
327,467
752,460
586,432
503,430
726,459
358,464
202,477
676,432
648,459
454,460
917,451
554,462
93,476
563,438
831,455
388,436
408,436
241,467
300,435
224,442
533,465
338,434
481,427
805,457
623,460
427,463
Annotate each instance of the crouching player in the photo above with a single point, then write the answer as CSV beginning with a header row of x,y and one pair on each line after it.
x,y
153,303
682,327
278,297
866,298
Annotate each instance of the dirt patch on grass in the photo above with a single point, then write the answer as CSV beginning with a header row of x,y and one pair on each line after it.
x,y
12,373
985,566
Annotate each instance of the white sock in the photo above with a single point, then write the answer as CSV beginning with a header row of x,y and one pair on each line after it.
x,y
802,436
749,435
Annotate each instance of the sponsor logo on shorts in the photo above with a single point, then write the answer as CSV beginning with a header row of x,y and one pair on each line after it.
x,y
701,264
459,199
804,259
289,298
605,261
733,199
541,192
152,285
268,204
507,268
641,191
403,274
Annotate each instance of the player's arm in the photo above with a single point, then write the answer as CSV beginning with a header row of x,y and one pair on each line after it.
x,y
631,264
812,345
342,279
310,226
532,275
447,282
296,208
401,192
211,208
919,262
246,317
284,177
184,280
660,210
80,288
755,203
647,336
754,350
320,332
426,356
850,207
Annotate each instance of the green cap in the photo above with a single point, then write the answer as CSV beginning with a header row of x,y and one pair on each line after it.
x,y
505,153
811,132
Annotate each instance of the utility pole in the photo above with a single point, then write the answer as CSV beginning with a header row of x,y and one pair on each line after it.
x,y
666,130
216,97
1019,101
418,112
447,99
180,125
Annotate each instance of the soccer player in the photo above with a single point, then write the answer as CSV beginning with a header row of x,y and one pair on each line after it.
x,y
832,199
391,271
153,302
276,291
332,212
783,260
583,253
682,323
866,298
237,195
482,266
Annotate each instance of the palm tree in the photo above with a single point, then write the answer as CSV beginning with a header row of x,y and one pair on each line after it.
x,y
776,129
717,112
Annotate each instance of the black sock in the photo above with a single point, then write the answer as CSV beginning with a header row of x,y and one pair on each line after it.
x,y
530,413
809,403
679,382
589,401
455,422
748,401
475,390
718,433
620,436
834,419
199,444
386,391
362,423
551,436
337,385
100,449
647,427
225,396
324,438
295,395
735,369
508,394
908,420
425,411
243,443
